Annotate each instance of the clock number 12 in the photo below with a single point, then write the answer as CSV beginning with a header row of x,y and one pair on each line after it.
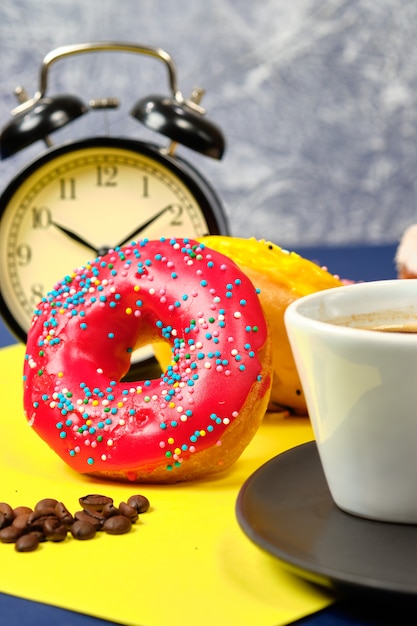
x,y
106,176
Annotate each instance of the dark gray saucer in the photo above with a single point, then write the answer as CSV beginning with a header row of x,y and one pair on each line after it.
x,y
285,508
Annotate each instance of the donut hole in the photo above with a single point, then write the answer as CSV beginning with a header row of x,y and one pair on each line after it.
x,y
146,369
144,366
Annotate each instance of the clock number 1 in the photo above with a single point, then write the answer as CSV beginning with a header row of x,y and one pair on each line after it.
x,y
145,187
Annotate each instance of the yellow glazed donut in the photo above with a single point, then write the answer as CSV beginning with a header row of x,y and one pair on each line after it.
x,y
281,277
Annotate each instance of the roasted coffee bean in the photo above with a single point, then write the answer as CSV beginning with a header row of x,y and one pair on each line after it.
x,y
22,509
129,511
4,521
98,516
117,525
50,520
21,521
83,530
84,516
139,502
10,534
94,502
110,510
63,514
27,543
38,533
6,512
54,530
38,516
46,503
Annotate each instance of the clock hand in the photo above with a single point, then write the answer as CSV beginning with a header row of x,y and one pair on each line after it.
x,y
143,226
126,240
75,237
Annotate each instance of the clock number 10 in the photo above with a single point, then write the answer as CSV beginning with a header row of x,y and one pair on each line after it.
x,y
41,217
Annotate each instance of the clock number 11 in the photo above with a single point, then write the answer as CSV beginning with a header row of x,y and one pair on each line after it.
x,y
67,189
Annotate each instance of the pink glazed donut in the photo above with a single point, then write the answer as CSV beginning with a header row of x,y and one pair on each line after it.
x,y
197,418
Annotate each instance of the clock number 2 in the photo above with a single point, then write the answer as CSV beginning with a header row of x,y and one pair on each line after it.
x,y
176,219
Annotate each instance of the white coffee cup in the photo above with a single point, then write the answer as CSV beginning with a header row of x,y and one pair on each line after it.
x,y
361,393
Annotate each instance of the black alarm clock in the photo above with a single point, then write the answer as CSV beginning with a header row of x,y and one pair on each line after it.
x,y
79,199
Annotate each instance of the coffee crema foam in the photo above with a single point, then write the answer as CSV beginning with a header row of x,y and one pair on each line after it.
x,y
392,328
378,322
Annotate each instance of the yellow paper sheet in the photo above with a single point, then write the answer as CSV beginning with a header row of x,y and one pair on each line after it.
x,y
186,561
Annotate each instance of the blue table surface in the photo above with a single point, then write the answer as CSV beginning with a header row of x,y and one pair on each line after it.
x,y
359,263
354,262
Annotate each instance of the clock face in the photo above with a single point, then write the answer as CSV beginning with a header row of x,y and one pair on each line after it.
x,y
81,199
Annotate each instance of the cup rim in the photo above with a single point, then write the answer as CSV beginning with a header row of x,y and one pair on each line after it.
x,y
297,310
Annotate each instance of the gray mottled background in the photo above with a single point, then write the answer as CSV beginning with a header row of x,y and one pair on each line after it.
x,y
317,99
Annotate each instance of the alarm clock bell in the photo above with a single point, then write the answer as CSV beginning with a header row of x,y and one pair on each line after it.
x,y
181,120
77,200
